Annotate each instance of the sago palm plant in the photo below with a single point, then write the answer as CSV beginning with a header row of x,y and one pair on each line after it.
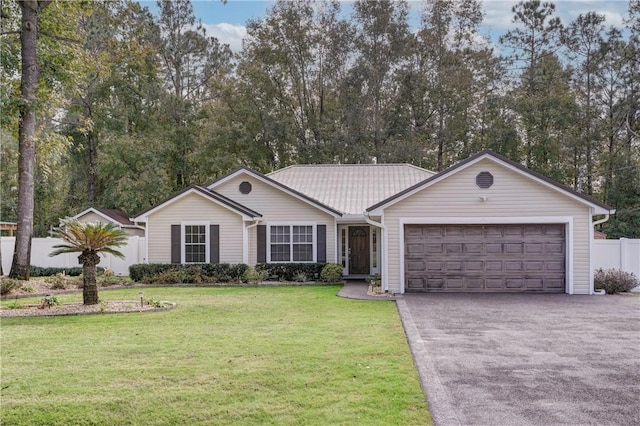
x,y
89,239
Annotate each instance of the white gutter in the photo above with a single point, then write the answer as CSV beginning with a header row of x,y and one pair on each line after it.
x,y
245,241
598,222
383,263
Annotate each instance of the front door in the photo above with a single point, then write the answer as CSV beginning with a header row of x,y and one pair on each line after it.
x,y
358,250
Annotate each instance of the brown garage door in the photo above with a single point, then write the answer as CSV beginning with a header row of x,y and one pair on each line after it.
x,y
485,258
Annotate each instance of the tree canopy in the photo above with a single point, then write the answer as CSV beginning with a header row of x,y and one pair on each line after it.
x,y
134,106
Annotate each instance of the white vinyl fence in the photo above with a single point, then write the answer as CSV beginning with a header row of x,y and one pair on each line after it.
x,y
134,252
621,254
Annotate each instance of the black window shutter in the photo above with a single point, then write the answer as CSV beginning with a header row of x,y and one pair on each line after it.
x,y
175,244
321,245
214,243
262,243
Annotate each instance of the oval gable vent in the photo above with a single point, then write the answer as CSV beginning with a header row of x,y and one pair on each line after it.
x,y
484,180
245,187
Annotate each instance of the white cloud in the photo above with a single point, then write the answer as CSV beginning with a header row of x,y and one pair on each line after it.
x,y
228,34
612,18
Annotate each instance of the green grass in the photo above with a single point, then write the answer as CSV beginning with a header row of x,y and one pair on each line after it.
x,y
285,355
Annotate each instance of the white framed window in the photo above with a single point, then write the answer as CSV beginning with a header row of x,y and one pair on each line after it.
x,y
195,242
291,243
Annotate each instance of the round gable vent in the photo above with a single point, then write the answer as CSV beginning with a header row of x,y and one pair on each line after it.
x,y
484,180
245,187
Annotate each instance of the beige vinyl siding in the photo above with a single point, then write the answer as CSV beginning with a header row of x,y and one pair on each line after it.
x,y
512,195
93,218
96,218
193,207
276,205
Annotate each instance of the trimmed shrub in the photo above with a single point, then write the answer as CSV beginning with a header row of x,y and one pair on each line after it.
x,y
331,273
174,273
288,271
614,281
39,271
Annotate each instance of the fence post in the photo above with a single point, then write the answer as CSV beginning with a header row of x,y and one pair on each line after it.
x,y
624,252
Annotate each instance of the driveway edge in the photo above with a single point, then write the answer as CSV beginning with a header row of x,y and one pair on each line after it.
x,y
440,406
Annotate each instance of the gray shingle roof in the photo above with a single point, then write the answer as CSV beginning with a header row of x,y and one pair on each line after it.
x,y
350,188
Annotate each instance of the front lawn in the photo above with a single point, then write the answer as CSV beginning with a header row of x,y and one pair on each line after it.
x,y
285,355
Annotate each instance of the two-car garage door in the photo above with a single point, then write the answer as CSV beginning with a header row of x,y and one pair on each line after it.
x,y
485,258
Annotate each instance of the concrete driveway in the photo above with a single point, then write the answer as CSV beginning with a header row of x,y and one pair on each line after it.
x,y
507,359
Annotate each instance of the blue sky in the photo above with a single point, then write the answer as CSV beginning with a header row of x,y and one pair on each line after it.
x,y
227,21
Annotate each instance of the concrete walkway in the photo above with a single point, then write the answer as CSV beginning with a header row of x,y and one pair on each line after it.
x,y
355,289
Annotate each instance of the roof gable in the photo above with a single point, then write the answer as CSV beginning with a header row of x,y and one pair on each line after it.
x,y
599,207
210,195
110,215
275,184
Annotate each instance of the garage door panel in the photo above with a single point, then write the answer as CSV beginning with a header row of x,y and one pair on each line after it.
x,y
511,248
415,284
432,248
512,283
474,248
493,248
513,265
534,248
493,266
554,248
416,266
555,266
494,258
435,283
415,249
534,283
474,266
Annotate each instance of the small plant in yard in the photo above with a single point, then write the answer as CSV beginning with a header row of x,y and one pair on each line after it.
x,y
331,273
49,301
7,285
28,289
14,304
614,281
254,275
153,302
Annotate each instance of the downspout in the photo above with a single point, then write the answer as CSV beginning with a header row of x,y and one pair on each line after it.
x,y
593,226
383,257
598,222
245,248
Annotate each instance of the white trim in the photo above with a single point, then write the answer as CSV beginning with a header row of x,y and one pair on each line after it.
x,y
245,240
597,209
146,242
374,256
291,225
566,220
384,272
592,288
144,217
207,238
267,181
